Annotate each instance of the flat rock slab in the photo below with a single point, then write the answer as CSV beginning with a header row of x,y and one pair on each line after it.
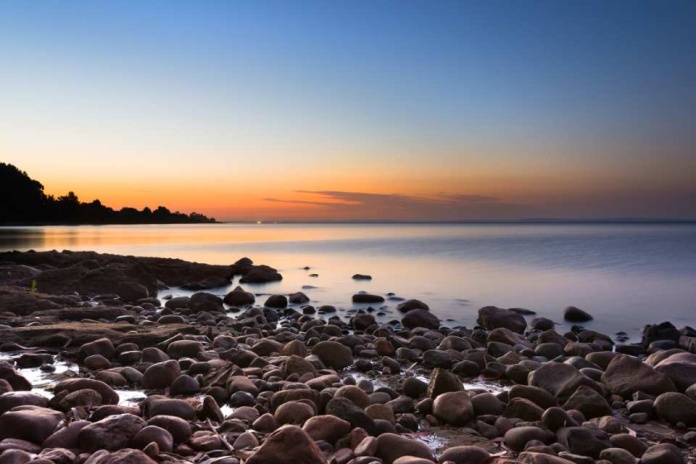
x,y
79,333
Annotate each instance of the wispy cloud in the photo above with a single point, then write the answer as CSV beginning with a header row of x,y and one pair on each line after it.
x,y
337,204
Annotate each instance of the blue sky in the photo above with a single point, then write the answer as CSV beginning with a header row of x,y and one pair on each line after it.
x,y
578,109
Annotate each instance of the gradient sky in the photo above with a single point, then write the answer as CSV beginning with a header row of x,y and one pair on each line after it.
x,y
335,110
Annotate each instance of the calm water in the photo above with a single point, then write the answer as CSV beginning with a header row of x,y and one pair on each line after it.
x,y
625,275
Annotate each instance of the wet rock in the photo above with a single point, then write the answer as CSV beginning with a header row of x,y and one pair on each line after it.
x,y
112,433
529,457
288,444
487,404
367,298
680,368
185,385
67,436
491,317
203,301
103,347
163,406
465,455
664,453
298,298
85,399
420,318
161,375
573,314
333,354
517,437
361,277
617,456
590,403
390,447
12,399
453,408
326,427
561,380
362,321
348,411
293,412
30,423
96,362
184,349
260,274
676,407
626,375
409,305
583,441
628,442
239,297
276,301
179,429
130,291
524,409
108,395
123,456
443,381
152,433
354,394
416,388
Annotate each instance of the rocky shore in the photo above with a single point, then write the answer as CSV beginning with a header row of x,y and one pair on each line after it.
x,y
102,363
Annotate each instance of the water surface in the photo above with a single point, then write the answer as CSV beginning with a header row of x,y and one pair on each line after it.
x,y
626,275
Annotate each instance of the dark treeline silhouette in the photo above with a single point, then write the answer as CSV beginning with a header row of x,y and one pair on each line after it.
x,y
23,201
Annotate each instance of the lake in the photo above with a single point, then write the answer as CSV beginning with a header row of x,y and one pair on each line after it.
x,y
626,275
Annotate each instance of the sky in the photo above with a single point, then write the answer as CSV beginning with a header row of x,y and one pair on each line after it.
x,y
362,110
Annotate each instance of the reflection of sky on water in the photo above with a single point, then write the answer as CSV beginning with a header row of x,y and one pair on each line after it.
x,y
645,271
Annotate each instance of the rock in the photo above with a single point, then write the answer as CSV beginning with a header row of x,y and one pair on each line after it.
x,y
590,403
203,301
12,399
161,375
102,346
239,297
416,318
491,317
408,305
537,395
664,453
348,411
293,412
626,375
443,381
176,426
676,407
85,398
362,321
617,456
152,433
124,456
326,427
367,298
517,437
487,403
260,274
573,314
628,442
67,436
529,457
30,423
112,433
524,409
288,444
57,456
276,301
391,446
680,368
298,298
561,380
333,354
353,393
465,455
453,408
131,292
108,394
361,277
583,441
416,388
185,385
162,406
184,349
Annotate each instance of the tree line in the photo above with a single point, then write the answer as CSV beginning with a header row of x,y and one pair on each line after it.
x,y
23,201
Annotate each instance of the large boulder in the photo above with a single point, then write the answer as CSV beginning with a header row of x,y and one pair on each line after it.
x,y
626,375
491,317
288,444
239,297
131,292
573,314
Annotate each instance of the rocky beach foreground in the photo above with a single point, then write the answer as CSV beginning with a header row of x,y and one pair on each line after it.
x,y
104,361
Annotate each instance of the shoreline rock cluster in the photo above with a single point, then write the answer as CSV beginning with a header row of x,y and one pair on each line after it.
x,y
228,380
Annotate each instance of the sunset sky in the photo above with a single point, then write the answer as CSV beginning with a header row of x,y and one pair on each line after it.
x,y
356,110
